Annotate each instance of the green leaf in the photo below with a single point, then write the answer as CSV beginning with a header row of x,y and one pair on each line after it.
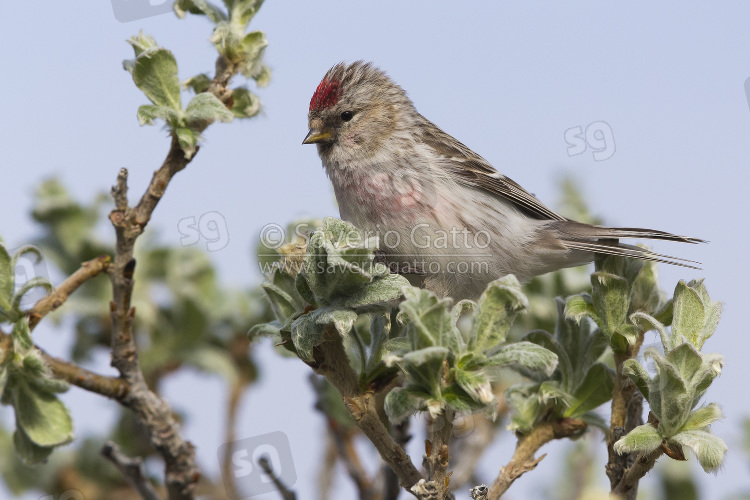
x,y
246,104
635,372
282,303
425,316
142,43
43,417
270,329
611,298
709,449
594,391
155,73
401,403
643,438
476,385
425,368
646,295
689,313
199,7
198,83
306,334
342,319
546,340
525,357
375,294
147,113
701,418
22,342
646,323
498,306
7,280
204,109
29,452
188,140
580,306
253,46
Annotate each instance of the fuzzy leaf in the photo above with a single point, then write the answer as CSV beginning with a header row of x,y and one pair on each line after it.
x,y
643,438
375,294
204,109
709,449
611,298
635,372
689,313
28,451
580,306
142,43
525,356
246,104
43,417
594,390
425,316
701,418
199,7
283,304
198,83
147,113
306,334
188,140
498,306
265,329
401,403
546,340
155,73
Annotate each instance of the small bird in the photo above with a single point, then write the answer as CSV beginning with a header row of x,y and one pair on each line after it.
x,y
438,208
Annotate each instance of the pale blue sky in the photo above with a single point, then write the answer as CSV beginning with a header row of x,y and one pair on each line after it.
x,y
506,79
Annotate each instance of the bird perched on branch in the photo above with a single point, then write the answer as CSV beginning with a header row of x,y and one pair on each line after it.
x,y
436,206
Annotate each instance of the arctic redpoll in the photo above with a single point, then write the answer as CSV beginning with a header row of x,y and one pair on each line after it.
x,y
437,207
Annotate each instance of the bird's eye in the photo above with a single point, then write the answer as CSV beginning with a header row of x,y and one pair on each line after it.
x,y
347,115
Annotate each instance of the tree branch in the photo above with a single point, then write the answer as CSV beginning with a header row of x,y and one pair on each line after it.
x,y
331,361
61,293
523,459
151,411
622,393
111,387
132,469
635,472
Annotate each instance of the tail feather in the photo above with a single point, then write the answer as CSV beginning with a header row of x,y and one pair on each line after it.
x,y
604,240
576,230
613,247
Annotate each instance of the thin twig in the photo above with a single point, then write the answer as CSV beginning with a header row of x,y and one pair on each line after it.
x,y
111,387
286,493
635,472
343,440
151,411
331,361
61,293
622,392
523,459
437,452
132,469
401,435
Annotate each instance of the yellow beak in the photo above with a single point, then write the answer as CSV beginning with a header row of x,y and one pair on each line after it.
x,y
315,136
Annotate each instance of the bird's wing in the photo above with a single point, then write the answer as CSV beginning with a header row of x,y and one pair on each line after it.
x,y
475,171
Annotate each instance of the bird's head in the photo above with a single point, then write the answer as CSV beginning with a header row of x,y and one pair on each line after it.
x,y
354,111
